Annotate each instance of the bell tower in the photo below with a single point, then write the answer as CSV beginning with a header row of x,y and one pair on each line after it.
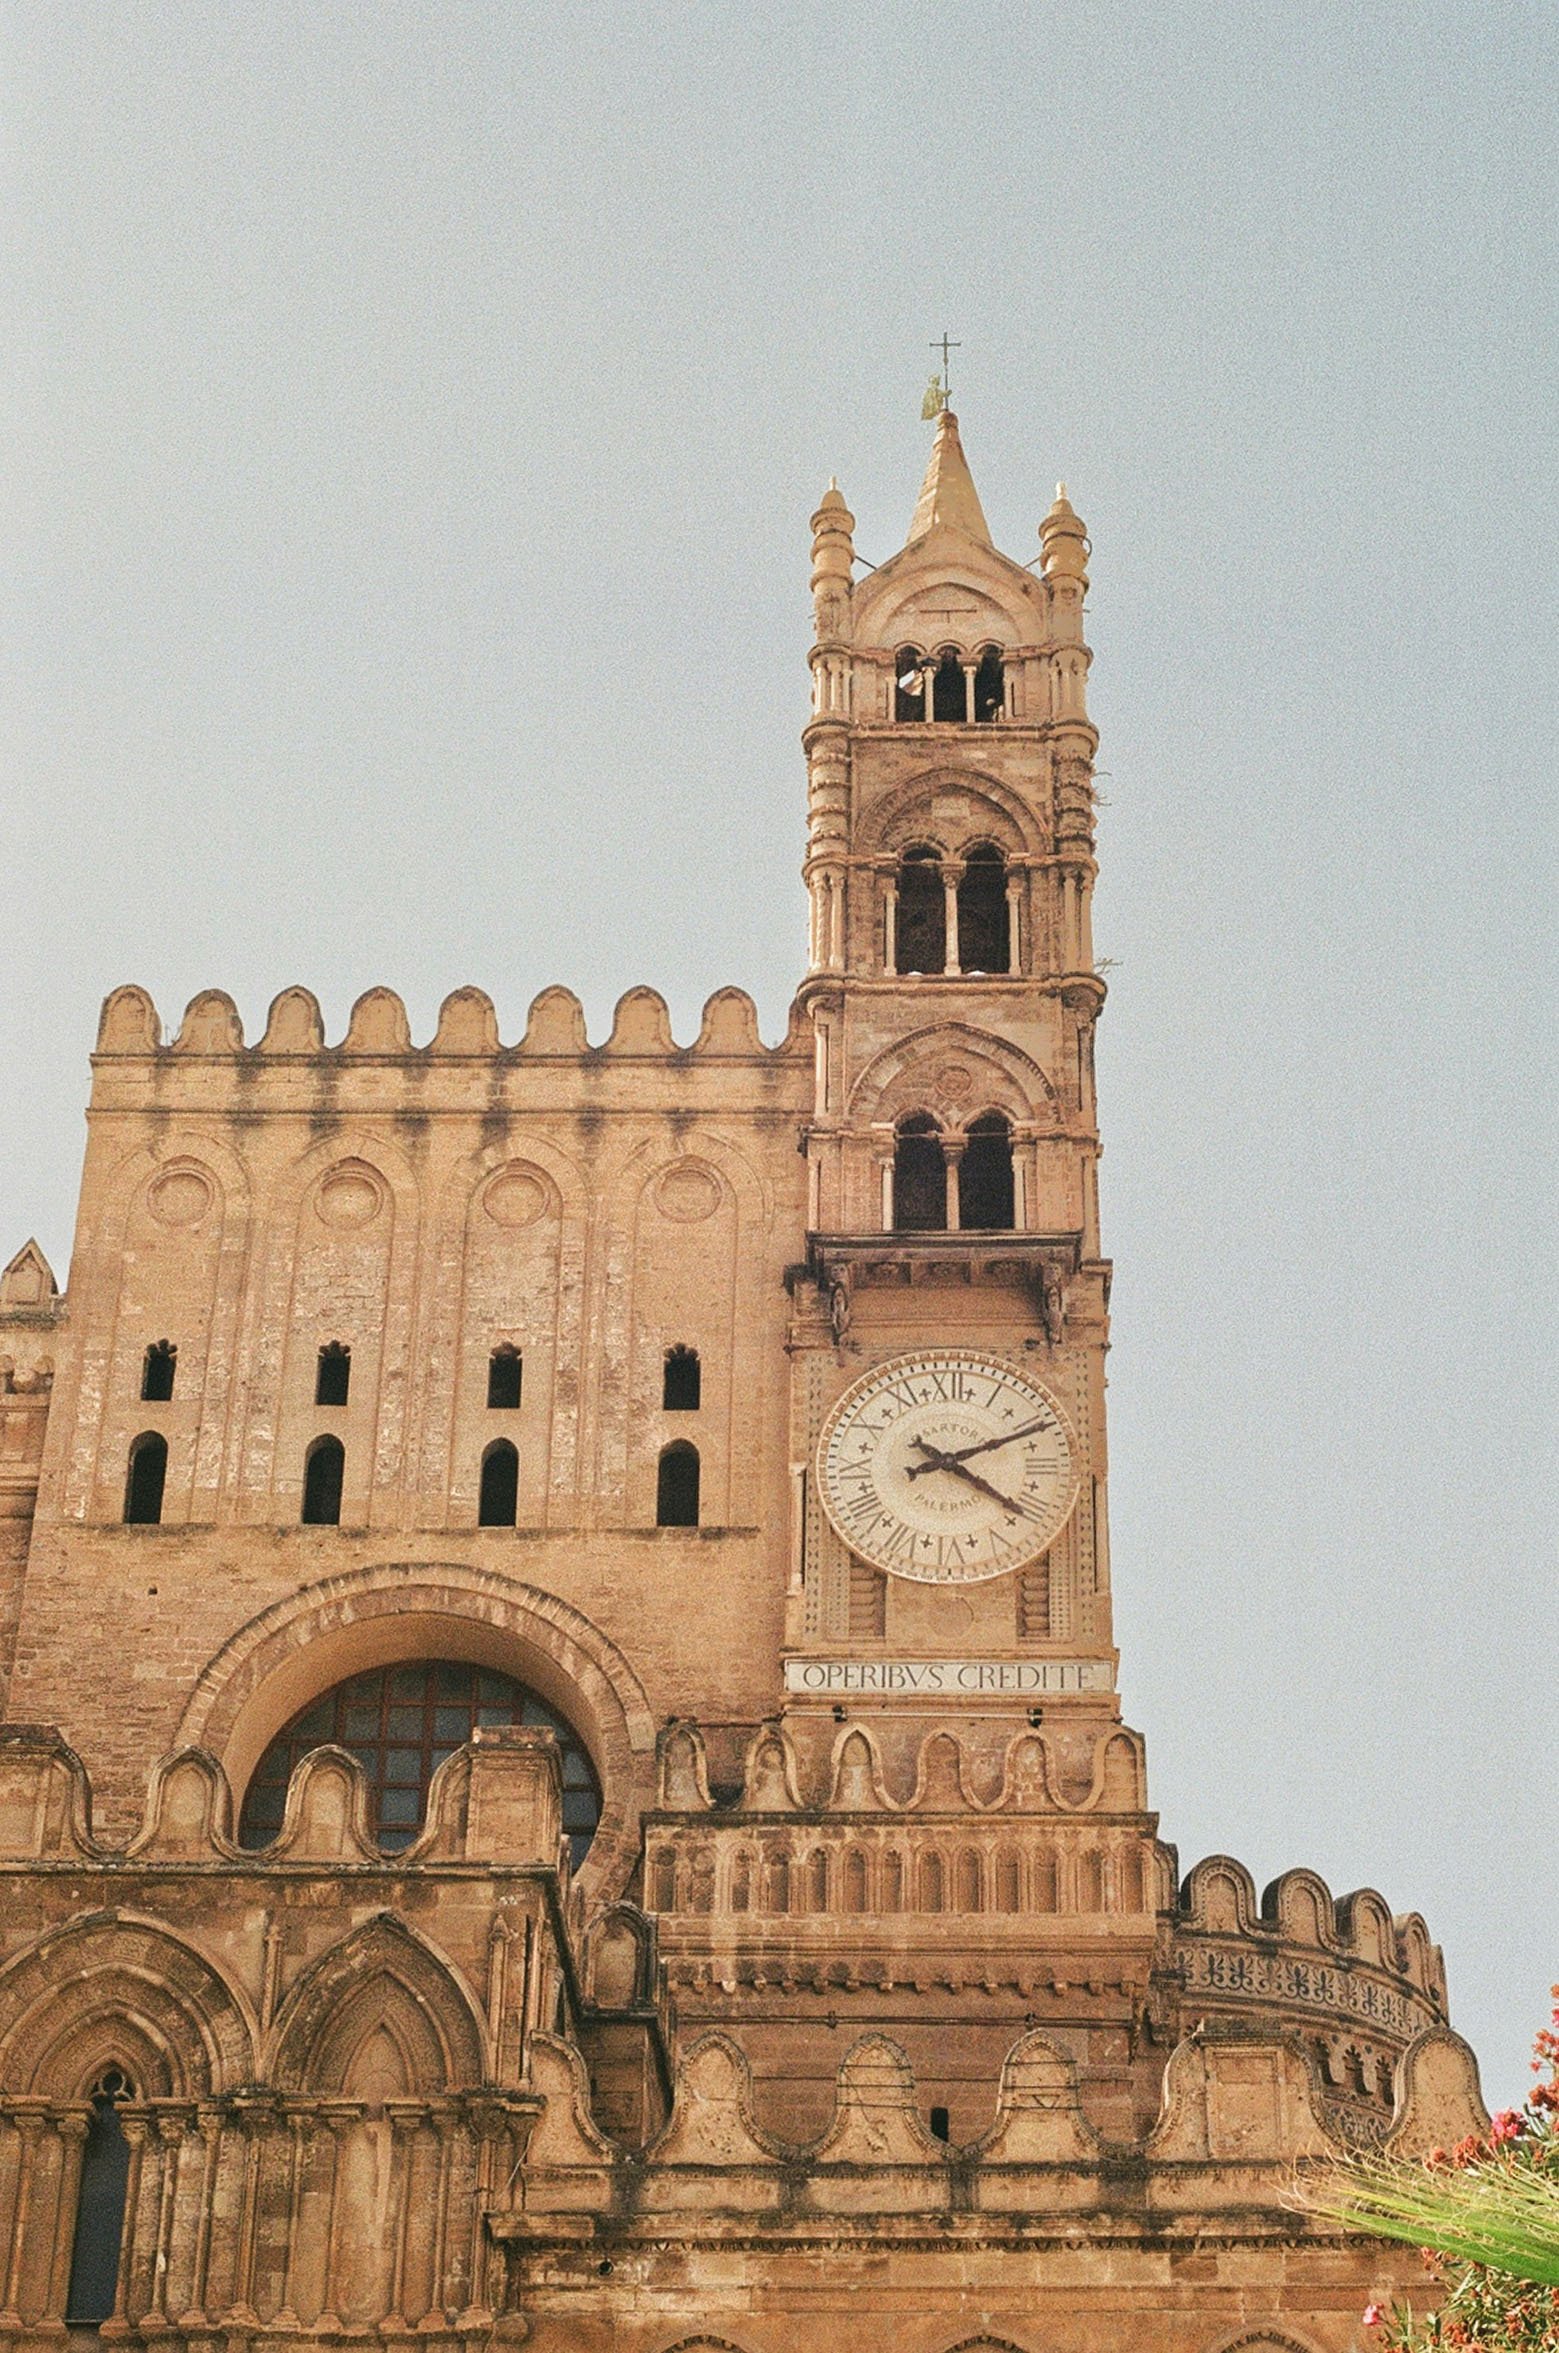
x,y
953,1145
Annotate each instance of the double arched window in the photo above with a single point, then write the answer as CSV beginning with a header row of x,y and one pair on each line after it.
x,y
949,686
943,1180
950,914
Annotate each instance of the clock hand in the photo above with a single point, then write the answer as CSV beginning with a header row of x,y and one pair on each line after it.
x,y
962,1453
950,1462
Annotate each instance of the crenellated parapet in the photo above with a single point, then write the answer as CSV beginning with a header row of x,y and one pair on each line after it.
x,y
1355,1983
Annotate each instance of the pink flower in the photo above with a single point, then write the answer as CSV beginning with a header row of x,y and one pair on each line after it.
x,y
1373,2316
1506,2126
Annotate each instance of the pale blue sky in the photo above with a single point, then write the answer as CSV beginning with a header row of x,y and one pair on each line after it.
x,y
419,411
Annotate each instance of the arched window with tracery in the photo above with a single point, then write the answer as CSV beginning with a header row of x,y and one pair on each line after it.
x,y
909,693
986,1193
990,688
401,1723
982,911
498,1503
919,1177
920,924
146,1475
676,1487
100,2206
324,1472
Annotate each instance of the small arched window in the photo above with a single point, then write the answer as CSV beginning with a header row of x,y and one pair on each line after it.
x,y
909,696
985,1187
324,1468
145,1479
333,1380
919,1177
682,1381
157,1368
676,1487
990,689
100,2206
920,930
499,1503
950,689
505,1376
982,911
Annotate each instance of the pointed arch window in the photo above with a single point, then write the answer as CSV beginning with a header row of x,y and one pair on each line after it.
x,y
324,1471
100,2206
157,1369
920,924
909,689
682,1381
145,1479
676,1487
919,1177
333,1377
950,689
986,1194
498,1505
990,688
982,911
505,1377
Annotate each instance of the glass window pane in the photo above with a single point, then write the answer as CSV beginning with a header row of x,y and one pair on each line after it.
x,y
403,1764
576,1773
449,1681
493,1687
579,1809
392,1841
403,1723
368,1758
317,1724
359,1723
452,1724
437,1756
400,1805
495,1715
408,1682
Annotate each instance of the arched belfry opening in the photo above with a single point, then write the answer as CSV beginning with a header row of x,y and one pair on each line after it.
x,y
983,922
950,690
909,685
986,1191
920,927
919,1177
990,688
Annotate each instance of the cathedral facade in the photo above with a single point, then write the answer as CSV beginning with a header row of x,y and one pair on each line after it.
x,y
562,1777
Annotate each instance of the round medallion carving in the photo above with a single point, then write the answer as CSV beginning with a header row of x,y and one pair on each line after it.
x,y
349,1197
180,1197
516,1197
687,1191
954,1081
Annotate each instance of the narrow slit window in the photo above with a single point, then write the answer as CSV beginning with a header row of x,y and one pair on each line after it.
x,y
324,1470
682,1381
333,1380
505,1375
982,911
909,696
939,2125
919,1177
985,1187
100,2207
499,1503
157,1369
921,923
676,1487
145,1479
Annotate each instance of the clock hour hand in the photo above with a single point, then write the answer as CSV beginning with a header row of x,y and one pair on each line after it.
x,y
950,1462
962,1453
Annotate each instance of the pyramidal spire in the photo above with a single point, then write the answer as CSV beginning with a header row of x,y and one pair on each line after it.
x,y
948,494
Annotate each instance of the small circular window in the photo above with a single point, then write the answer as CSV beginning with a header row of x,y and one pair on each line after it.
x,y
401,1723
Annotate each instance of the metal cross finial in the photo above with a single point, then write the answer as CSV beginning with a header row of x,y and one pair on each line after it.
x,y
944,344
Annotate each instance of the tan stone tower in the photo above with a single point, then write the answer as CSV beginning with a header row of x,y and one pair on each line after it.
x,y
562,1779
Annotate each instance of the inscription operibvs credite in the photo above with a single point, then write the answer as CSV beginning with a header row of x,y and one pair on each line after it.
x,y
947,1468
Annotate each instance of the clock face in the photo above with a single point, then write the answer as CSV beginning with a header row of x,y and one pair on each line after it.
x,y
947,1467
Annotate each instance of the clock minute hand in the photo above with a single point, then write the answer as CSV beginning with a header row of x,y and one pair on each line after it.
x,y
950,1462
962,1453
